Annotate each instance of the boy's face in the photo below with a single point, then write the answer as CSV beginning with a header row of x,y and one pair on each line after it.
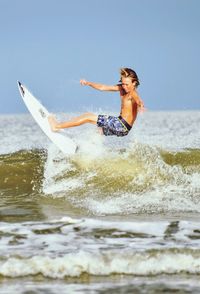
x,y
127,85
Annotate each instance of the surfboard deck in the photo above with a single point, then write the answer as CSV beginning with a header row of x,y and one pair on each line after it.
x,y
40,115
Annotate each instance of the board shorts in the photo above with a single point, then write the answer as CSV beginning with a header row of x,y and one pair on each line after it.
x,y
113,126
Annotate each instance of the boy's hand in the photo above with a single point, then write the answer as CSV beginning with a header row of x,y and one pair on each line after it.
x,y
83,82
141,108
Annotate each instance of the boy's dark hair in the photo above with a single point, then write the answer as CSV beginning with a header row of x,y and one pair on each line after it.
x,y
129,73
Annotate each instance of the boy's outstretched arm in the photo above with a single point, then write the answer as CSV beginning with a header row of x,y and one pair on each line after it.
x,y
99,87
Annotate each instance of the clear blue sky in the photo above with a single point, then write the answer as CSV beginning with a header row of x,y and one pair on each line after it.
x,y
50,44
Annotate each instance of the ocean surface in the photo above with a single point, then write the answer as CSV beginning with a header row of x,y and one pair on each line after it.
x,y
122,215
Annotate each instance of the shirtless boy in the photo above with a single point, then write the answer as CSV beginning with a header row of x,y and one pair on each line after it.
x,y
111,125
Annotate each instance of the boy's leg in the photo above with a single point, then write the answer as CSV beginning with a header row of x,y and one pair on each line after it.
x,y
76,121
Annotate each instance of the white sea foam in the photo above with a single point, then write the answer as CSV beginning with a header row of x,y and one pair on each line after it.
x,y
73,265
69,247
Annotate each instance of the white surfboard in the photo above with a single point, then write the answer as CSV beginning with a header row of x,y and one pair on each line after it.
x,y
40,114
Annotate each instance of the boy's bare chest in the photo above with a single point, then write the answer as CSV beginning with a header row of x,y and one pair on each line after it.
x,y
127,99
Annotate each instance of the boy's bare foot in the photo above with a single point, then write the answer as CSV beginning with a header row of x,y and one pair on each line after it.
x,y
53,123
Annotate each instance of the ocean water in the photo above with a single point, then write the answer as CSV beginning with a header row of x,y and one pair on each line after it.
x,y
119,216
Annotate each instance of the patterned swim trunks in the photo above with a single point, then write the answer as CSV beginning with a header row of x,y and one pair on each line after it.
x,y
113,126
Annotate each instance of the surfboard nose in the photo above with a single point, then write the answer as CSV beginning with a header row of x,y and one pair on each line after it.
x,y
21,88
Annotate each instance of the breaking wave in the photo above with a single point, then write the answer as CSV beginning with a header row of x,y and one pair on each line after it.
x,y
108,180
